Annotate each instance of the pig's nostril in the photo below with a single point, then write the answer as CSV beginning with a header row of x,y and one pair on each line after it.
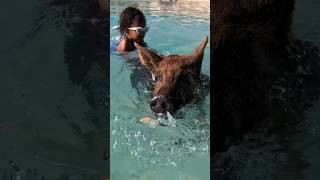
x,y
163,105
160,104
153,103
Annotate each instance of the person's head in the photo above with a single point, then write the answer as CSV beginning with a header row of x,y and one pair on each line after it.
x,y
133,24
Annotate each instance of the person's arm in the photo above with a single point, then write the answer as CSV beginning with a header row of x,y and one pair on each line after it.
x,y
122,45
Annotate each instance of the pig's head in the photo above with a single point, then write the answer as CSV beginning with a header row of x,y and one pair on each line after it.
x,y
176,77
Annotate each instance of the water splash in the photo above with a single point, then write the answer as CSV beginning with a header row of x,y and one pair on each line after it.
x,y
154,146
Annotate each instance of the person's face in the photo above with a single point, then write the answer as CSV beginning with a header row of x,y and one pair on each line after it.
x,y
137,37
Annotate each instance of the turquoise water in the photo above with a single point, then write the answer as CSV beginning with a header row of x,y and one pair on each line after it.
x,y
52,92
139,151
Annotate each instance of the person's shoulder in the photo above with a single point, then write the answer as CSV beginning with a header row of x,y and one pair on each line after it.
x,y
122,45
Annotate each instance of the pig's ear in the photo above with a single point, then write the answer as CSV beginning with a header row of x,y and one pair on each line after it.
x,y
197,53
148,58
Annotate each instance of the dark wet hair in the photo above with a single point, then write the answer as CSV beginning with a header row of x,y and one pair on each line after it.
x,y
127,17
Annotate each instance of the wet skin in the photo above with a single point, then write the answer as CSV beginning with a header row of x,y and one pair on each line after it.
x,y
127,43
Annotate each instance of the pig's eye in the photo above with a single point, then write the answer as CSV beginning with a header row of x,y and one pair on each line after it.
x,y
158,78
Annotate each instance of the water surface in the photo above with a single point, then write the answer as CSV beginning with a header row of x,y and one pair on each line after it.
x,y
139,151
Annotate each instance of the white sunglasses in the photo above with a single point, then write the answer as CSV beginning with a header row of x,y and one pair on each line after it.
x,y
140,29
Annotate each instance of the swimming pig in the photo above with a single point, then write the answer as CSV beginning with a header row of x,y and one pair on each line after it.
x,y
176,77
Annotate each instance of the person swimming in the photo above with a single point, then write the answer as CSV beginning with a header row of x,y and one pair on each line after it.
x,y
133,27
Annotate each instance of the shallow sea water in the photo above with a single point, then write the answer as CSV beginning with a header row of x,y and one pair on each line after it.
x,y
143,152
